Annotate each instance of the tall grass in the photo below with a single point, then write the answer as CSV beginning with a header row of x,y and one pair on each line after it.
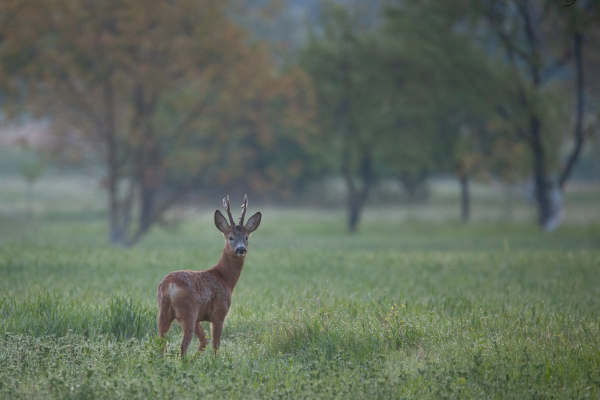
x,y
50,314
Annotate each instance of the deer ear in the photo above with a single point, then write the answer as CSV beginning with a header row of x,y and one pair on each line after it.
x,y
253,222
221,222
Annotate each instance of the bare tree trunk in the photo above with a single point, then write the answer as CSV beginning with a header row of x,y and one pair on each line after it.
x,y
465,198
354,212
357,197
118,231
543,185
147,215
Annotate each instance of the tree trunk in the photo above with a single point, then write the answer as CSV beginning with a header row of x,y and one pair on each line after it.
x,y
465,198
117,230
354,211
147,214
547,195
358,197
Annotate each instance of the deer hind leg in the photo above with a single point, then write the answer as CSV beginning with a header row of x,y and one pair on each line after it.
x,y
188,326
201,336
165,318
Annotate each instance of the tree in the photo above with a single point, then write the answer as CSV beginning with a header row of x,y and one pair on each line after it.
x,y
581,26
441,83
338,60
539,39
404,100
168,95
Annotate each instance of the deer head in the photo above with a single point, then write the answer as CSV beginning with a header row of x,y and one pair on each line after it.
x,y
236,236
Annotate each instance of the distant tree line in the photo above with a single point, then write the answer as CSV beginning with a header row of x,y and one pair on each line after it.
x,y
175,96
462,87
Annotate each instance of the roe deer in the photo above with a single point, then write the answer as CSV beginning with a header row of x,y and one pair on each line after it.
x,y
194,296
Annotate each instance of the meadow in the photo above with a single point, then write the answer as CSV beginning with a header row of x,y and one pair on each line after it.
x,y
415,305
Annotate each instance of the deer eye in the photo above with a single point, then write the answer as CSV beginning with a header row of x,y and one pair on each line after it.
x,y
246,238
230,237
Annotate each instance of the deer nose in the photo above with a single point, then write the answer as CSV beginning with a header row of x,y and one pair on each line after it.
x,y
240,250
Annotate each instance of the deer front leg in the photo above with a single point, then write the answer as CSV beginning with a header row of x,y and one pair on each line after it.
x,y
217,329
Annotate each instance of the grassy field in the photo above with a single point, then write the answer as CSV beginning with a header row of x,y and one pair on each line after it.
x,y
411,306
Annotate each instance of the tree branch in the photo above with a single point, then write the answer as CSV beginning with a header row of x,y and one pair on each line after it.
x,y
508,42
580,103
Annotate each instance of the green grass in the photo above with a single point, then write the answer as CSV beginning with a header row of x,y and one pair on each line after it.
x,y
405,308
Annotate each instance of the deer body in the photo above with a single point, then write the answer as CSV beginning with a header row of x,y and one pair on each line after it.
x,y
191,297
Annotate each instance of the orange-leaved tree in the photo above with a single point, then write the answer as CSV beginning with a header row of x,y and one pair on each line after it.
x,y
169,95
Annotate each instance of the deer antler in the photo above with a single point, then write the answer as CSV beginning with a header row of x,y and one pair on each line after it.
x,y
244,207
226,205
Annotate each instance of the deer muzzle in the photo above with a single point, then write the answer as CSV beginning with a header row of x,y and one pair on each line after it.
x,y
240,250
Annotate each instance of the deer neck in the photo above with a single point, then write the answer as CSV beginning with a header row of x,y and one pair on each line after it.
x,y
229,268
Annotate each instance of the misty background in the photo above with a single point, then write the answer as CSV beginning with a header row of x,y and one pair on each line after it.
x,y
138,114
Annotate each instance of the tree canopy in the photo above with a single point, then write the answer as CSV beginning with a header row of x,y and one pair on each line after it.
x,y
170,95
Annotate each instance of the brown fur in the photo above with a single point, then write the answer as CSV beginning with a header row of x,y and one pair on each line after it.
x,y
191,297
